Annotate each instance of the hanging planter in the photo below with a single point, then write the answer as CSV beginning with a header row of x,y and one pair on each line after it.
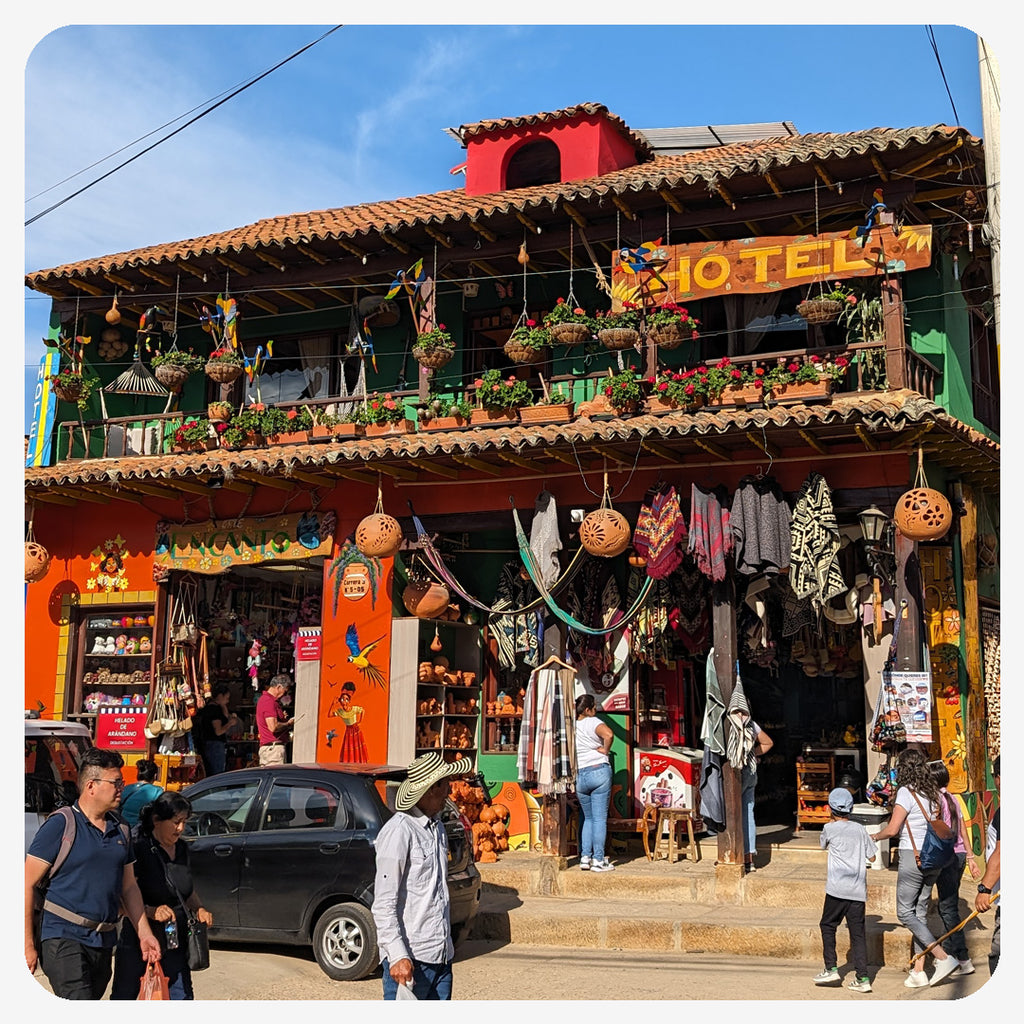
x,y
224,366
528,343
820,311
519,352
616,339
434,348
68,387
570,333
426,599
378,535
171,376
219,412
923,513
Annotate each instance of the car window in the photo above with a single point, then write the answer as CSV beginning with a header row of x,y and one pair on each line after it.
x,y
221,810
51,771
368,810
297,805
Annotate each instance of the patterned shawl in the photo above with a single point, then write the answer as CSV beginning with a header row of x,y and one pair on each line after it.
x,y
814,560
660,534
711,538
740,736
546,760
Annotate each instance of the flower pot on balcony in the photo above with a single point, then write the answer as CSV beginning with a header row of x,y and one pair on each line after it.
x,y
494,417
195,446
569,334
658,406
339,430
290,437
250,439
383,429
802,392
618,338
445,423
745,394
538,414
218,412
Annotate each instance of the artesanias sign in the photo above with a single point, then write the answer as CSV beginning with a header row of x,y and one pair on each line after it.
x,y
743,266
214,547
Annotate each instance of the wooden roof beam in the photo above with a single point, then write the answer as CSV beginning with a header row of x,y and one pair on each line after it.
x,y
621,205
262,479
713,449
661,451
196,272
825,177
483,232
621,460
726,195
238,268
773,184
438,236
865,438
350,474
560,456
575,215
303,477
186,485
316,257
766,446
479,464
353,249
84,286
918,165
257,300
434,467
164,279
87,494
522,463
121,282
911,442
296,297
813,442
135,486
397,472
332,292
755,229
488,268
880,167
271,261
395,243
527,222
51,499
671,200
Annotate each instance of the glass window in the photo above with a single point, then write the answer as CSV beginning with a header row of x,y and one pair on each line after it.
x,y
221,810
303,805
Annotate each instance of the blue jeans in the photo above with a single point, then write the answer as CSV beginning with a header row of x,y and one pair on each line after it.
x,y
948,887
594,790
748,783
215,757
429,981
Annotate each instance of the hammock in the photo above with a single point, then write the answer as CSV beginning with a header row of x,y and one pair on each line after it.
x,y
437,563
526,553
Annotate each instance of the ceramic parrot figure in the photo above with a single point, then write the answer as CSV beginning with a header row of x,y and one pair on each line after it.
x,y
644,258
410,280
864,230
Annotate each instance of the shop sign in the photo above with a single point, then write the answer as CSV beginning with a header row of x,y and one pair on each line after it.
x,y
913,695
746,266
215,547
120,727
308,645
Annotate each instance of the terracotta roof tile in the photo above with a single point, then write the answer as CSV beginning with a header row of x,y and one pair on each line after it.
x,y
438,208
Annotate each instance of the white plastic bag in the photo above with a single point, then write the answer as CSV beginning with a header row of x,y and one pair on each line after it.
x,y
404,992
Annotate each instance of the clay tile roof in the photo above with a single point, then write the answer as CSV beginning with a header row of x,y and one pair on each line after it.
x,y
639,143
439,208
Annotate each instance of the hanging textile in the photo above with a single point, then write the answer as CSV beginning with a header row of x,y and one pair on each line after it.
x,y
531,567
710,540
517,635
660,534
596,602
546,759
740,737
712,731
760,520
815,541
712,797
545,543
796,612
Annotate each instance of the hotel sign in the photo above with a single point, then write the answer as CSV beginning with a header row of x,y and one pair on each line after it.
x,y
745,266
214,547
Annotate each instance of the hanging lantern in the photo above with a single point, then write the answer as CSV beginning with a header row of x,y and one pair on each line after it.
x,y
426,599
37,561
605,532
923,513
378,535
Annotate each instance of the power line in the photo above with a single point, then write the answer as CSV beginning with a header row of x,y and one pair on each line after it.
x,y
171,135
938,60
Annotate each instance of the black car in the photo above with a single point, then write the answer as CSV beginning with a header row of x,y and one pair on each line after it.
x,y
285,854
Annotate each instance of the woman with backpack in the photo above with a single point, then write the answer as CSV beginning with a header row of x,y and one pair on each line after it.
x,y
917,807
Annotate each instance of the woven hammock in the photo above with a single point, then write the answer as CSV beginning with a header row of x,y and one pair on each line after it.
x,y
436,561
526,553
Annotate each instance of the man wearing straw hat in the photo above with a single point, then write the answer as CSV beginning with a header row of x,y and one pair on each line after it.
x,y
411,903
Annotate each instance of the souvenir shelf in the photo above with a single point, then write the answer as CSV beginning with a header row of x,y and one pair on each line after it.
x,y
113,662
815,779
435,694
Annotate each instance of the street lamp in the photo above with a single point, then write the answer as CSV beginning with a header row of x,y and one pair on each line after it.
x,y
872,524
876,527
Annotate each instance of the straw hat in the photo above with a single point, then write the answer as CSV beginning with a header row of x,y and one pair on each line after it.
x,y
423,773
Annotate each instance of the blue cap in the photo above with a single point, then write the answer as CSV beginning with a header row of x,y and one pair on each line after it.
x,y
840,800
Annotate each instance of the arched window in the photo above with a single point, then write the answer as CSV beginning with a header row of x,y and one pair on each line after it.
x,y
536,163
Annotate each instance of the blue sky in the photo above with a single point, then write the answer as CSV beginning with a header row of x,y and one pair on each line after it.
x,y
360,116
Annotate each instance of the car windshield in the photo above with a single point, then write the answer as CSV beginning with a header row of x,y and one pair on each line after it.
x,y
51,771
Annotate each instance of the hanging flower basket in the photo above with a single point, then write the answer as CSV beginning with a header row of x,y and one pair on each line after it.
x,y
669,336
223,372
433,358
569,333
520,353
218,412
820,311
615,339
69,389
171,376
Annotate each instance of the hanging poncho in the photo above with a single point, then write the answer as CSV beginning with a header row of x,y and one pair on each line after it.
x,y
516,635
544,539
711,538
760,520
740,736
815,541
660,534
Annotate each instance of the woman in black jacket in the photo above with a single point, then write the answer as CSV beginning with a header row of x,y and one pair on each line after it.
x,y
165,879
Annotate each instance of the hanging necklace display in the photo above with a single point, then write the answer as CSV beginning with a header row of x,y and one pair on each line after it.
x,y
528,342
923,513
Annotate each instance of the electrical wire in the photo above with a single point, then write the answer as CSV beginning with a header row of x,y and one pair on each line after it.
x,y
938,60
170,135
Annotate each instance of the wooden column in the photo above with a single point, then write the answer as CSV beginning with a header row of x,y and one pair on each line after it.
x,y
895,333
908,588
974,704
723,626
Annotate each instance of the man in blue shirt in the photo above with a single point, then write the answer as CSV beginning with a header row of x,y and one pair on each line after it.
x,y
84,898
138,794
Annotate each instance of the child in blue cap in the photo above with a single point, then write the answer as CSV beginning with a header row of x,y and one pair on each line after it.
x,y
846,890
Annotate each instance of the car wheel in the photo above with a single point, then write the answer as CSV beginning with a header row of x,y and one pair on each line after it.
x,y
345,942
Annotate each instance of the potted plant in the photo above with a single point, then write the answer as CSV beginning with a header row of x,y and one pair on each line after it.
x,y
443,412
671,390
624,391
528,343
671,324
298,427
384,414
554,406
725,383
219,412
826,308
568,324
621,330
224,365
499,398
194,436
73,386
174,367
245,429
434,348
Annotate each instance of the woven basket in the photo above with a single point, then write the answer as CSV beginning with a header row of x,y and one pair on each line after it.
x,y
223,373
820,311
171,376
69,391
618,338
520,353
569,334
433,358
668,336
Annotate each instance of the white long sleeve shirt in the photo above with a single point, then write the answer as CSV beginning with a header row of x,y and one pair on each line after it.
x,y
410,901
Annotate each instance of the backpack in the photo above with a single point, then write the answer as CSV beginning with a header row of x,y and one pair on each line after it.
x,y
39,901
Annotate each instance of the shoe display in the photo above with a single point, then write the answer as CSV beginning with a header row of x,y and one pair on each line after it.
x,y
829,976
916,979
584,863
964,967
860,985
943,969
602,865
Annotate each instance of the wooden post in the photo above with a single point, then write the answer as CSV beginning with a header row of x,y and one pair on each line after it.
x,y
554,825
909,657
723,625
974,705
895,334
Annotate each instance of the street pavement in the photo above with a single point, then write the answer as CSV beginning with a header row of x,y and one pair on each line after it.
x,y
493,971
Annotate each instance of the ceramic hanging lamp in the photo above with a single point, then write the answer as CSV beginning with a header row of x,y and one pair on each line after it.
x,y
923,513
605,532
378,535
37,558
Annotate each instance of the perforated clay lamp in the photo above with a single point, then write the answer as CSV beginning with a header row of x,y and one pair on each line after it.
x,y
425,599
378,535
37,558
923,513
605,532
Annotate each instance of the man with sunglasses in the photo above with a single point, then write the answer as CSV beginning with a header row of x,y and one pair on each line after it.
x,y
94,885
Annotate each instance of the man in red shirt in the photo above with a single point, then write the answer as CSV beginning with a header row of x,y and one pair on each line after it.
x,y
272,721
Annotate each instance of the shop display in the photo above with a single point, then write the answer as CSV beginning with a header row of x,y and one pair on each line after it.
x,y
815,779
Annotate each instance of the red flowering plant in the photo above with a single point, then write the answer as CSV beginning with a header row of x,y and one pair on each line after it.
x,y
797,372
677,386
382,409
192,431
437,338
495,392
300,419
671,314
711,381
624,389
530,334
566,313
627,318
225,354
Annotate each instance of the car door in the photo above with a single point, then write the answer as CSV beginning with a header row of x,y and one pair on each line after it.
x,y
294,853
223,809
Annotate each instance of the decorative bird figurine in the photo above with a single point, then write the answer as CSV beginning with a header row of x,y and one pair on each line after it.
x,y
148,321
229,311
360,656
643,258
410,280
864,230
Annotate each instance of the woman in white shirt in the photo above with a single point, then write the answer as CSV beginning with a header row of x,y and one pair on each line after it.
x,y
593,783
916,789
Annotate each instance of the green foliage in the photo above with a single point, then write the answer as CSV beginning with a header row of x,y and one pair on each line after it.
x,y
564,313
192,431
495,392
627,318
531,335
175,357
382,409
437,337
74,379
348,554
224,354
624,388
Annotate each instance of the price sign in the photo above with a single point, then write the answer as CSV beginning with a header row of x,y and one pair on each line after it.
x,y
308,648
120,727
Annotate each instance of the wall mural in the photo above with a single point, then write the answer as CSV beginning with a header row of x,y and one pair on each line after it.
x,y
109,573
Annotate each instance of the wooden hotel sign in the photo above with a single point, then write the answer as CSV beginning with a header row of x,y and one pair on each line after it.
x,y
744,266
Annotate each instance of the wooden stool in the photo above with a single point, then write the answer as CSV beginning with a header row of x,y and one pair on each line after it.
x,y
668,831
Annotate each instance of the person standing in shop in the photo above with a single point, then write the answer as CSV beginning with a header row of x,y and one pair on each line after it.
x,y
272,721
593,783
140,793
214,723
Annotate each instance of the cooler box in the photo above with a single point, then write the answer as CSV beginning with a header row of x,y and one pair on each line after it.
x,y
669,776
873,817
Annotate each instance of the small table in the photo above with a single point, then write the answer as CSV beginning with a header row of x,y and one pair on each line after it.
x,y
668,832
